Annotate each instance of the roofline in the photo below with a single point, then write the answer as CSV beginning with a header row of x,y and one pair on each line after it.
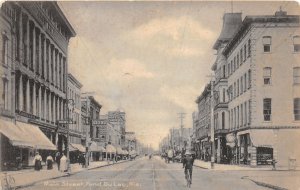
x,y
204,93
71,29
71,77
258,19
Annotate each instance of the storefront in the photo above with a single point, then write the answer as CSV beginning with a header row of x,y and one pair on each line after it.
x,y
19,142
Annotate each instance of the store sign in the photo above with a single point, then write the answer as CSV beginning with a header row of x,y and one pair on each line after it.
x,y
99,122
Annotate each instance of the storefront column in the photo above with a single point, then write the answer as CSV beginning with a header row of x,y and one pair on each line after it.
x,y
27,42
253,152
54,64
49,64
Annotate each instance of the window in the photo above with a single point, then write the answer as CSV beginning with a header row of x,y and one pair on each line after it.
x,y
232,66
238,87
296,42
234,63
5,94
297,109
267,43
249,48
249,112
245,52
267,103
267,75
234,90
223,94
228,69
241,55
245,82
296,75
4,49
241,85
249,78
223,120
242,115
245,108
238,58
238,116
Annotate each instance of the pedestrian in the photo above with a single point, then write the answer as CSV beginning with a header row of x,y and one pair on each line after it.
x,y
37,161
63,163
170,155
57,160
49,161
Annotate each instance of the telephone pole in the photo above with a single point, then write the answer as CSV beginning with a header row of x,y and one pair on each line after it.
x,y
181,117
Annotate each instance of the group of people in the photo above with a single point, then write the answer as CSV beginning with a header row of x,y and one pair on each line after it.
x,y
60,159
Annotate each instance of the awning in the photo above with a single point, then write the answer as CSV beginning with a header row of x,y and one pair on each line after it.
x,y
243,132
72,148
39,139
262,137
110,149
78,147
119,150
132,152
25,135
94,147
125,152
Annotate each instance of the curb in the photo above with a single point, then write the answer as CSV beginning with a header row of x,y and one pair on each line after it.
x,y
65,175
263,184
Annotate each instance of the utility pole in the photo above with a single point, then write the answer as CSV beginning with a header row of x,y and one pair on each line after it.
x,y
212,127
181,117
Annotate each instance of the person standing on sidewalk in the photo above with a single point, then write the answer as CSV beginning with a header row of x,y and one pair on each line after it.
x,y
37,162
57,160
49,161
63,163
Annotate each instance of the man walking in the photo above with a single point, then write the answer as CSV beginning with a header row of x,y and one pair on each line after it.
x,y
188,162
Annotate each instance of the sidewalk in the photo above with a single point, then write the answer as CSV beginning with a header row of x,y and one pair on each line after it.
x,y
225,167
27,177
281,180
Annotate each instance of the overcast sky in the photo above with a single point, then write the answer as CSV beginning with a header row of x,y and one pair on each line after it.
x,y
150,59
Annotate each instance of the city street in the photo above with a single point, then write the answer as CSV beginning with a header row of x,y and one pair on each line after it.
x,y
152,174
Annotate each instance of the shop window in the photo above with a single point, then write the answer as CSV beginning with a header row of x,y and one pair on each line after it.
x,y
267,75
296,43
297,109
267,109
267,43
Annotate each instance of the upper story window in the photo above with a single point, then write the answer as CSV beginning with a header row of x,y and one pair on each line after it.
x,y
267,109
245,52
241,55
4,49
296,75
249,78
267,43
297,109
296,42
249,48
267,75
238,58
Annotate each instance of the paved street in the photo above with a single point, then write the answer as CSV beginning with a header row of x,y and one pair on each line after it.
x,y
152,174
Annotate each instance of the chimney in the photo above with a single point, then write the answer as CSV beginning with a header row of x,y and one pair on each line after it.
x,y
280,12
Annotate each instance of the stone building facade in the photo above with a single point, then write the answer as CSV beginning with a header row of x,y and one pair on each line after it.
x,y
35,38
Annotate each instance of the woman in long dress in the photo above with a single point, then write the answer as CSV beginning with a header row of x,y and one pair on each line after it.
x,y
63,163
37,162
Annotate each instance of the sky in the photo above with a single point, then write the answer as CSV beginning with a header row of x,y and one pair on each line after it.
x,y
150,59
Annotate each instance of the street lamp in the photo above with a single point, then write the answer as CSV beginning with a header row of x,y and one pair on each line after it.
x,y
70,112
